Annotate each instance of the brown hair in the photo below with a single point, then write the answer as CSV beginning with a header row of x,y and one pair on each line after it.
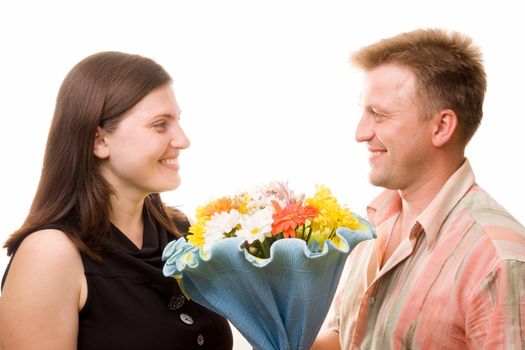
x,y
72,192
448,68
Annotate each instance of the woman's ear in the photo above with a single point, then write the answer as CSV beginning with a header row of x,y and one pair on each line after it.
x,y
446,123
100,148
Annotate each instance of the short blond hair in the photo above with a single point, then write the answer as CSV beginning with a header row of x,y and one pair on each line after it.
x,y
448,67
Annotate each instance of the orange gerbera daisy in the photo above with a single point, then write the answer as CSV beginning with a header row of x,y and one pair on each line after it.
x,y
223,204
294,214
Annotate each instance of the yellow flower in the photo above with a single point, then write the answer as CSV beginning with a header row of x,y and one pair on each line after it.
x,y
197,231
331,215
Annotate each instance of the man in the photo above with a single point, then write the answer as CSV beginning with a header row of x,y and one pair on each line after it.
x,y
447,270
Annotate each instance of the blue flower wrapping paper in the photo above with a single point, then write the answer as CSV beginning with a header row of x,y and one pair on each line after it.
x,y
276,303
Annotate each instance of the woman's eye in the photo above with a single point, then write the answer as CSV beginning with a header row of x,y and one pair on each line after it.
x,y
160,125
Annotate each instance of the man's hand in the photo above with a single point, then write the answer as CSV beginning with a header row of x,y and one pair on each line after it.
x,y
327,340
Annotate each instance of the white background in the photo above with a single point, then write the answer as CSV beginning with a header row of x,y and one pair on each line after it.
x,y
265,88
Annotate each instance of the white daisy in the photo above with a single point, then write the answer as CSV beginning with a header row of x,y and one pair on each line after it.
x,y
256,226
220,224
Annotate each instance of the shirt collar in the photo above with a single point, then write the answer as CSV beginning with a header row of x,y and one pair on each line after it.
x,y
450,194
388,203
383,207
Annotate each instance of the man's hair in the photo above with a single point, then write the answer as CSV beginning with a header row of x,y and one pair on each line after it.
x,y
448,68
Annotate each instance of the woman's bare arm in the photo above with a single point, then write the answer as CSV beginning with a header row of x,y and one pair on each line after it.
x,y
43,293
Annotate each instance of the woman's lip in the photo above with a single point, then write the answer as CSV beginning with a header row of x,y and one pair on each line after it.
x,y
172,163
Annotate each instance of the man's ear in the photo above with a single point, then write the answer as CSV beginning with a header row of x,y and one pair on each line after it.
x,y
100,148
446,124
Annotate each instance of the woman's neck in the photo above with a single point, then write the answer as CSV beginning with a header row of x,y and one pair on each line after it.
x,y
126,215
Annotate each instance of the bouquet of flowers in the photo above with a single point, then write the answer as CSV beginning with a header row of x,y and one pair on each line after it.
x,y
268,260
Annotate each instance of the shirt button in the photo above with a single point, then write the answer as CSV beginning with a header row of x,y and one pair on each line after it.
x,y
176,302
371,300
186,319
200,340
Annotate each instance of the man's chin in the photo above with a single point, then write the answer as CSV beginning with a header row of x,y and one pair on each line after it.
x,y
380,181
375,179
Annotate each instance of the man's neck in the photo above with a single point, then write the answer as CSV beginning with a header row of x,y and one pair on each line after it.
x,y
418,196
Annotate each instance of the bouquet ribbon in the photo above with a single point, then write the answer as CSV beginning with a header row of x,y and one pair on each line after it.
x,y
276,303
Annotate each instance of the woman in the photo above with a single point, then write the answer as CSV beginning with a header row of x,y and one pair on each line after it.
x,y
86,264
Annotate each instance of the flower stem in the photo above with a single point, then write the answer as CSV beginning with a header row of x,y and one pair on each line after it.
x,y
265,248
309,234
303,231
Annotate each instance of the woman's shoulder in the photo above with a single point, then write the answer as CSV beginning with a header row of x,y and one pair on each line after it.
x,y
47,252
44,282
48,242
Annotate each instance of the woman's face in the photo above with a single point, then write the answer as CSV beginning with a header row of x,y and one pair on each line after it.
x,y
141,155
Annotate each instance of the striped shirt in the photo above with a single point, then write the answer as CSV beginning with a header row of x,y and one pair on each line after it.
x,y
457,281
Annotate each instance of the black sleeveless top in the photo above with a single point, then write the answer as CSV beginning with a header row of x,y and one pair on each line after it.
x,y
131,305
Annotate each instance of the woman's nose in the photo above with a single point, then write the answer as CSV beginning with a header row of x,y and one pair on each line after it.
x,y
179,139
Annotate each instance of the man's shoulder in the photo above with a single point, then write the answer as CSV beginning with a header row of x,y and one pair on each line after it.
x,y
486,211
495,224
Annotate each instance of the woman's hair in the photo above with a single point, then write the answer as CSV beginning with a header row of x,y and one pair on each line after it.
x,y
96,93
448,67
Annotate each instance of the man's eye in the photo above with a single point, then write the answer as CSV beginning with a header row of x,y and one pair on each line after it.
x,y
375,115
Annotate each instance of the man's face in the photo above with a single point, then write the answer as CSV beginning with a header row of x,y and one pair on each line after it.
x,y
399,140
